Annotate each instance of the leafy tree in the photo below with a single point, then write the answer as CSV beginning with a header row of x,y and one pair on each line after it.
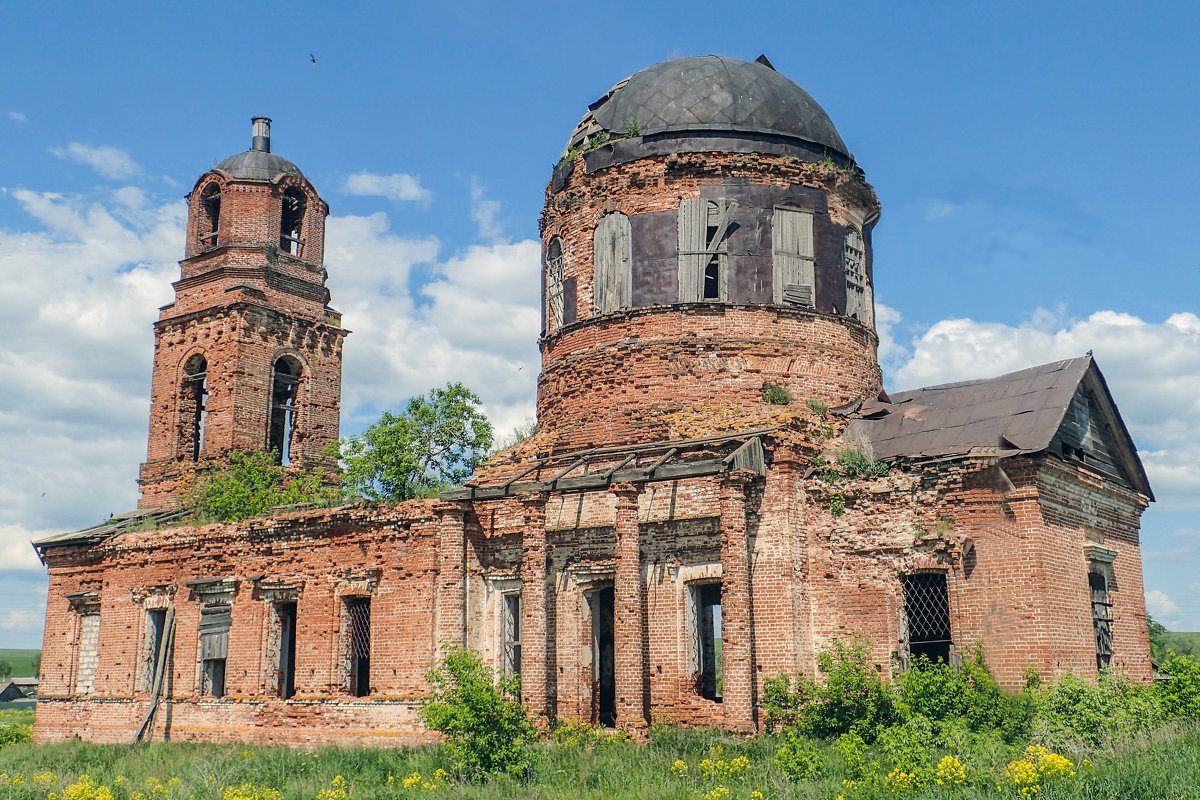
x,y
434,444
251,486
487,728
1159,648
37,664
5,669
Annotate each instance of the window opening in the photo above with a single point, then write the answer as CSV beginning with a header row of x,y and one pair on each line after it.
x,y
604,690
358,645
704,229
613,263
291,222
511,643
792,261
89,640
707,652
194,399
156,623
1101,619
927,616
285,618
554,282
214,648
284,385
858,294
210,207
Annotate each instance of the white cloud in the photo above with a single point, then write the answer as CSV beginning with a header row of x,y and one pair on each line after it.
x,y
484,213
108,161
1160,605
394,187
939,210
1152,370
17,116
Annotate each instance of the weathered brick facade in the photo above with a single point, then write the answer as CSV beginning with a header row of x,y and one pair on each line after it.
x,y
667,540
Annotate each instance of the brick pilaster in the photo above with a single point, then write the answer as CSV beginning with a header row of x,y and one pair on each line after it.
x,y
535,557
737,673
629,607
451,583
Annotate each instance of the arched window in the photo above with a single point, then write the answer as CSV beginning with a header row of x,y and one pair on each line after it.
x,y
193,396
613,262
285,380
210,214
554,283
858,293
291,222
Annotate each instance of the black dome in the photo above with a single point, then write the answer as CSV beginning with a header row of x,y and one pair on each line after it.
x,y
258,165
711,93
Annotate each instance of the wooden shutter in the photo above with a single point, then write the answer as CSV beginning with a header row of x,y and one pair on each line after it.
x,y
854,261
693,223
613,258
792,271
214,632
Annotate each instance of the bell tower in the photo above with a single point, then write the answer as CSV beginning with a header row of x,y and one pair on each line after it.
x,y
249,355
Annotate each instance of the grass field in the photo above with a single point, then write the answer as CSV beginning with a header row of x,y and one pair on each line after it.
x,y
587,766
21,660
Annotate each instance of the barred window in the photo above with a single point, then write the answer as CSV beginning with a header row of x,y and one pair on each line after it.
x,y
554,283
927,616
214,648
512,634
358,645
1101,619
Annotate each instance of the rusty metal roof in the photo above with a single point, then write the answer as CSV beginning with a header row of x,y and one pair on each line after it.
x,y
1013,414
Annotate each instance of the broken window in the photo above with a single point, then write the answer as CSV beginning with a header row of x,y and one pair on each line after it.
x,y
511,641
285,382
358,645
89,641
285,649
1101,619
858,293
210,215
792,262
706,650
601,604
214,648
554,282
193,398
291,222
704,228
156,623
927,616
613,259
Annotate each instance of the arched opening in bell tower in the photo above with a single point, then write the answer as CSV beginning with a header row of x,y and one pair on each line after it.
x,y
291,222
210,215
285,382
193,398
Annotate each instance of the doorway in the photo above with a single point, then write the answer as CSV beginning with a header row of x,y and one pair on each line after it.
x,y
604,693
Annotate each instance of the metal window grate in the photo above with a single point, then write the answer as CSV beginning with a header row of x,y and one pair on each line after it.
x,y
927,615
512,634
1101,619
358,627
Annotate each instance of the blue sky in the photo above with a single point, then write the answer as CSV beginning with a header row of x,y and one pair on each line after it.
x,y
1037,168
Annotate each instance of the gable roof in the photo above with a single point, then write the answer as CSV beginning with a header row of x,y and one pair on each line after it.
x,y
1015,414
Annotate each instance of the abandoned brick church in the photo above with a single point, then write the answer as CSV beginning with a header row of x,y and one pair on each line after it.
x,y
680,527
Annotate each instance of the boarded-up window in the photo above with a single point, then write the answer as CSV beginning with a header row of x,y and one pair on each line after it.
x,y
554,283
358,645
858,293
927,616
214,648
156,624
613,260
512,634
89,657
704,228
1101,619
792,270
706,650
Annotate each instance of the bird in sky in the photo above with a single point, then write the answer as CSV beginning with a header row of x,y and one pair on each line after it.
x,y
312,58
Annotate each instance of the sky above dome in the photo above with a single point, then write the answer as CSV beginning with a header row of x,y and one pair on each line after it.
x,y
1037,168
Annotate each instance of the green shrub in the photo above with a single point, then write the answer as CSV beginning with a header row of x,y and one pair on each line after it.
x,y
1180,695
798,758
856,465
852,697
487,728
816,406
853,751
776,395
1071,710
15,734
906,746
782,706
250,486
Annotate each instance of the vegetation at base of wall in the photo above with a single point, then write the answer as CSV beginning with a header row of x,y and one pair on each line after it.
x,y
816,406
775,394
435,443
252,485
487,729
